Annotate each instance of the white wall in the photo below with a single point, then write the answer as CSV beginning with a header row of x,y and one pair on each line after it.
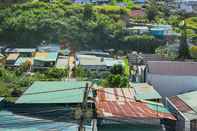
x,y
172,85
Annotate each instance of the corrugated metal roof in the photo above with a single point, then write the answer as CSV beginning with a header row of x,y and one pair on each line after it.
x,y
116,94
22,60
180,105
144,91
13,56
55,92
13,122
46,56
108,106
144,58
1,98
90,60
172,68
20,50
189,99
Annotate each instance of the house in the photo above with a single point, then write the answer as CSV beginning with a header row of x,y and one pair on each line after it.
x,y
49,48
54,92
138,30
11,121
62,62
2,59
97,64
142,59
22,60
171,78
142,2
11,59
119,104
184,106
187,5
44,60
144,91
24,52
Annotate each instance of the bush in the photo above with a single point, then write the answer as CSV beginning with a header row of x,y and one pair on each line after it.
x,y
193,52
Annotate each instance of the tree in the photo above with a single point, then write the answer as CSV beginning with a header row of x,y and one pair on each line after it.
x,y
56,73
151,10
193,52
184,48
117,69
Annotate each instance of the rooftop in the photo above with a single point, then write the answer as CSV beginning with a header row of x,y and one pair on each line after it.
x,y
186,104
144,91
12,56
46,56
20,50
14,122
22,60
54,92
90,60
172,68
144,58
110,105
1,98
62,62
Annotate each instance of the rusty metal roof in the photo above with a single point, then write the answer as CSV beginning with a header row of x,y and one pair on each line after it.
x,y
110,105
180,105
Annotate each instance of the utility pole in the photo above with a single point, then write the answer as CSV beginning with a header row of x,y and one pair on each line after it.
x,y
84,108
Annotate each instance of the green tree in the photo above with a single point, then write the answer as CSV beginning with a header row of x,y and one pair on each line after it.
x,y
117,69
151,10
56,73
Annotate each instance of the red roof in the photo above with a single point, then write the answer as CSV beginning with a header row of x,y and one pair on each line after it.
x,y
180,105
135,13
125,108
172,68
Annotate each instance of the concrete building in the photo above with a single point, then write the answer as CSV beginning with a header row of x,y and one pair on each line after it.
x,y
184,106
97,64
171,78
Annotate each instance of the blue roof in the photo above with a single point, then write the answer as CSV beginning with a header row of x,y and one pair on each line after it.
x,y
22,60
13,122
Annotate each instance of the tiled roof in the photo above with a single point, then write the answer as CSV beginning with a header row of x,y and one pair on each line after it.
x,y
172,68
109,105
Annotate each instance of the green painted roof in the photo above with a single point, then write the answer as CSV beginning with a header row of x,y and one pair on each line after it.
x,y
144,91
157,107
51,56
54,92
190,99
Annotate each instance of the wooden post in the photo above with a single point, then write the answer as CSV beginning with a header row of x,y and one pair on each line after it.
x,y
83,108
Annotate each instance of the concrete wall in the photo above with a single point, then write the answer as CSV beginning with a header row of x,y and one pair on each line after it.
x,y
172,85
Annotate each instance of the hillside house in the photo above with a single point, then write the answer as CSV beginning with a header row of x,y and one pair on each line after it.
x,y
171,78
24,52
44,60
119,104
144,91
11,59
184,106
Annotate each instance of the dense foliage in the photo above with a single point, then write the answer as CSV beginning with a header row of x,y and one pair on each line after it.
x,y
80,26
